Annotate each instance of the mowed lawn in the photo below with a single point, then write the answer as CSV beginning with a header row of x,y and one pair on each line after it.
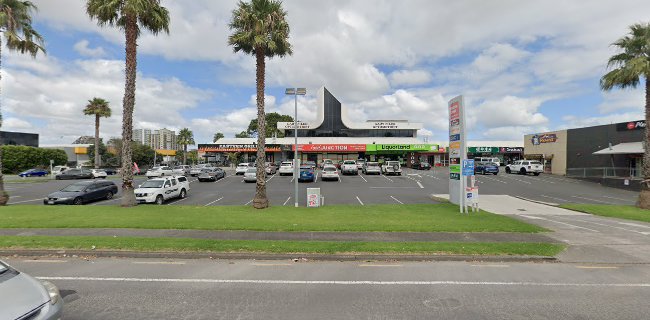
x,y
614,211
415,218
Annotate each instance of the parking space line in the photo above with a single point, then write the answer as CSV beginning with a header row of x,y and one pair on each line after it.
x,y
292,179
179,200
100,202
269,179
419,184
213,202
24,201
590,199
493,179
516,179
285,202
249,202
400,202
364,179
359,201
389,179
316,178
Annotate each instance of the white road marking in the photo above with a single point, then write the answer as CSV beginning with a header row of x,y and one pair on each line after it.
x,y
554,198
158,262
271,264
615,227
292,179
213,202
493,179
364,179
558,222
394,188
249,202
380,265
46,261
400,202
614,198
359,201
360,282
269,179
595,267
285,202
24,201
389,179
633,224
491,265
516,179
590,199
316,178
179,200
419,184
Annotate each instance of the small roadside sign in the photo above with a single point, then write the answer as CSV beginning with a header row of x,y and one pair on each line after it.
x,y
468,167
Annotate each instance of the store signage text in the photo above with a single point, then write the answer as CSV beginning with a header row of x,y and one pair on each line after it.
x,y
331,147
632,125
290,125
544,138
236,148
385,125
511,150
405,147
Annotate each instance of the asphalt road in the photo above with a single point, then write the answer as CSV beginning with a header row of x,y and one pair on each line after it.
x,y
412,187
241,289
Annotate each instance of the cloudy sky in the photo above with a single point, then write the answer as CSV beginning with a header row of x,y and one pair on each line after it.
x,y
523,67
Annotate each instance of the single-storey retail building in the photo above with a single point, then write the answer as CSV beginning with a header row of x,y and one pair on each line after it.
x,y
605,152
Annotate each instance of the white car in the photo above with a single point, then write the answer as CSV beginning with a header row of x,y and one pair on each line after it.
x,y
391,167
250,175
182,170
99,173
371,168
525,167
330,173
158,190
360,163
286,167
58,169
242,167
157,172
196,170
349,167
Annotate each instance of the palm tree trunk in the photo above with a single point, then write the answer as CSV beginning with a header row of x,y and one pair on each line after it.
x,y
131,31
97,141
4,196
184,154
260,201
644,195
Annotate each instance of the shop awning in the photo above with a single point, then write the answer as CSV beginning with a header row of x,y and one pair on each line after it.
x,y
623,148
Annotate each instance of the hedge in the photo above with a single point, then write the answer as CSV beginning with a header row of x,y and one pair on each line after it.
x,y
19,158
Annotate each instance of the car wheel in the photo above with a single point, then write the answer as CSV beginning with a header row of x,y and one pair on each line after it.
x,y
183,194
508,170
162,174
77,201
522,171
109,195
160,200
495,173
536,173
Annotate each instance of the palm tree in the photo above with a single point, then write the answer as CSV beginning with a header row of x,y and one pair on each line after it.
x,y
99,108
130,16
185,138
217,136
630,66
16,24
260,29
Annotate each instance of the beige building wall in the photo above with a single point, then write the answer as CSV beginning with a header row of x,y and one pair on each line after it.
x,y
551,147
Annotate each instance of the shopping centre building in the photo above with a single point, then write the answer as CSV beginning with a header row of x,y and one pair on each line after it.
x,y
333,135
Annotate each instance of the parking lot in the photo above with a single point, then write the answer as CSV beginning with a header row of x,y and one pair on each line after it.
x,y
413,186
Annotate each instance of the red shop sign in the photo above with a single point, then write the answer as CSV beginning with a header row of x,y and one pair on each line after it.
x,y
330,147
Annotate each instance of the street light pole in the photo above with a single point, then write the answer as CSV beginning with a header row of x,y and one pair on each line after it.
x,y
296,162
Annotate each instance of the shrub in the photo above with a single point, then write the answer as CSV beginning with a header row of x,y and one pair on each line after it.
x,y
20,158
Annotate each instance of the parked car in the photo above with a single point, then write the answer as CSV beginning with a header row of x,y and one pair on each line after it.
x,y
182,170
24,297
82,192
58,169
159,190
286,168
326,162
489,159
349,167
157,172
74,174
312,164
330,173
99,173
306,174
211,174
339,164
110,171
422,166
196,170
242,168
525,167
250,175
360,164
391,167
486,167
371,168
278,163
33,173
271,168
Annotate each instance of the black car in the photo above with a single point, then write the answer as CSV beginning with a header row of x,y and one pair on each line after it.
x,y
211,174
110,171
82,192
422,166
74,174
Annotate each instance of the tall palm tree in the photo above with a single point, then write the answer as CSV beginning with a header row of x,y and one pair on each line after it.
x,y
630,65
185,138
16,24
260,29
217,136
130,16
99,108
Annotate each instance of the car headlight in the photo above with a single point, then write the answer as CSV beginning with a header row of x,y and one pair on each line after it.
x,y
53,291
64,198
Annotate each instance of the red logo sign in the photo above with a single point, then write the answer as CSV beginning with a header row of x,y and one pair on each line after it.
x,y
631,125
331,147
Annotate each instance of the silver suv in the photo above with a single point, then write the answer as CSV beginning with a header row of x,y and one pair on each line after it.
x,y
391,167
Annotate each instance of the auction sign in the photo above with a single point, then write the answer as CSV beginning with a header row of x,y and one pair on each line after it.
x,y
457,151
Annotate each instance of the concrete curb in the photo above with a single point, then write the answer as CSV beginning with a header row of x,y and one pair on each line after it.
x,y
537,201
268,256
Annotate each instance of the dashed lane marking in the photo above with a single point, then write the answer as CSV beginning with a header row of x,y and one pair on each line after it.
x,y
387,178
215,201
359,200
179,200
249,202
285,202
400,202
364,179
419,184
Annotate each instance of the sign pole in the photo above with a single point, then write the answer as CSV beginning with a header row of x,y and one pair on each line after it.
x,y
457,152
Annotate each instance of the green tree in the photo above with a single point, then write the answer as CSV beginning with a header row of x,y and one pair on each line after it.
x,y
97,107
272,120
629,66
260,29
193,156
130,16
143,155
217,137
16,22
242,134
185,138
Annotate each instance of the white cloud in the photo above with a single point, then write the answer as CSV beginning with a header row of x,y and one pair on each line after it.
x,y
572,121
509,111
269,101
15,124
617,100
409,77
82,48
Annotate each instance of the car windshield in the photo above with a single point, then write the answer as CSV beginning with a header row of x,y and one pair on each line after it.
x,y
152,184
372,164
349,162
75,187
251,170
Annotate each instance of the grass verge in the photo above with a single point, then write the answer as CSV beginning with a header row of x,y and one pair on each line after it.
x,y
390,218
615,211
264,246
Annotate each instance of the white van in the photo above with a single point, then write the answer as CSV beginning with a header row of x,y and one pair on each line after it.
x,y
489,159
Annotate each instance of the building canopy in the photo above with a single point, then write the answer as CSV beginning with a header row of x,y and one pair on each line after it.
x,y
623,148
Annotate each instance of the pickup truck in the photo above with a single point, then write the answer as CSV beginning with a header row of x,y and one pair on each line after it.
x,y
391,167
525,167
349,167
158,190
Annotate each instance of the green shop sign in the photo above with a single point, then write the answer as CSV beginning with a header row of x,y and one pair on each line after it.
x,y
483,149
454,168
425,147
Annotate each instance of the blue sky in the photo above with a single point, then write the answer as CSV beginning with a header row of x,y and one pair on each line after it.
x,y
523,67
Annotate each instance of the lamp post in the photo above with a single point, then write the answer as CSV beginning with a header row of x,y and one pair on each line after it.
x,y
296,163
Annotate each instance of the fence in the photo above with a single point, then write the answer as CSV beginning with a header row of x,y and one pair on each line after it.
x,y
603,172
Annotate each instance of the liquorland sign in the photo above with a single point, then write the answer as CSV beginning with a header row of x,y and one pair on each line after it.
x,y
425,147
